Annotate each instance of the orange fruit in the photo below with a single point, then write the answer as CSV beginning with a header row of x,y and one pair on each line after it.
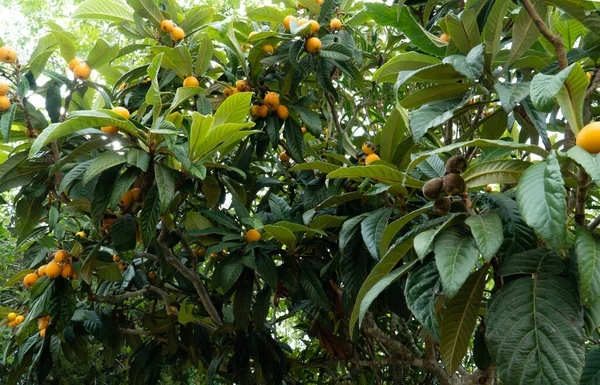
x,y
445,37
167,25
589,138
74,63
3,88
11,324
19,320
255,111
61,256
135,194
11,316
43,333
122,266
283,112
177,33
126,199
313,45
371,158
124,112
30,279
368,148
191,81
110,129
43,323
252,235
116,258
152,275
41,271
488,188
284,157
82,71
227,92
287,20
335,24
303,130
320,2
8,54
53,270
4,103
264,111
67,270
81,234
240,85
272,101
268,48
314,25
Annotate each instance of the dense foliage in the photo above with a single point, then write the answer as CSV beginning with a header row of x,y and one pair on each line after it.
x,y
323,192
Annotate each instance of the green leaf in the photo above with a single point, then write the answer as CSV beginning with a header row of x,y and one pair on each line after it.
x,y
464,32
102,194
150,215
6,121
394,130
138,158
234,109
311,285
544,88
571,97
370,296
28,213
197,17
471,65
379,172
283,235
524,33
588,161
535,330
309,118
123,233
507,171
165,181
591,370
460,319
104,161
184,93
324,167
455,257
232,270
487,232
492,30
437,92
481,143
18,277
543,184
510,94
394,228
424,241
204,56
104,10
242,301
372,228
422,292
587,250
195,221
269,14
336,52
267,269
148,9
294,139
383,267
431,115
101,53
408,61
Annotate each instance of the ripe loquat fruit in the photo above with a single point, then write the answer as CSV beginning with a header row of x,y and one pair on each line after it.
x,y
313,45
167,25
445,37
252,235
30,279
335,24
268,48
113,130
303,130
124,112
271,100
191,81
19,320
255,111
4,103
41,271
368,148
283,112
116,258
264,111
122,266
126,199
81,234
43,333
314,26
3,88
61,256
177,33
240,85
67,270
53,270
11,316
8,54
284,157
287,20
371,158
589,138
82,71
74,63
227,92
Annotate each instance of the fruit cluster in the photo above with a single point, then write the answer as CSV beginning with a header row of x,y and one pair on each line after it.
x,y
14,319
168,26
113,130
240,86
81,70
270,104
441,189
122,266
368,154
43,323
4,100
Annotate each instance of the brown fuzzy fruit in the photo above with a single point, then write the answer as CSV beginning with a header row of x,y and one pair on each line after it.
x,y
434,189
442,206
454,184
456,164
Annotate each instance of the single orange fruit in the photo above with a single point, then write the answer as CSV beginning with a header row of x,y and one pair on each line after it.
x,y
283,112
11,316
116,258
4,103
74,63
122,266
240,85
488,188
268,48
67,270
264,111
41,270
287,20
272,101
167,25
589,138
126,199
113,130
227,92
252,235
30,279
255,111
8,54
314,26
82,71
19,320
53,270
61,256
368,148
371,158
445,37
313,45
43,333
124,112
303,130
284,157
335,24
3,88
177,33
135,193
191,81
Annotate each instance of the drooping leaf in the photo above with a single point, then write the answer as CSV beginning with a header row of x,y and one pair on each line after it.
x,y
524,33
455,257
487,232
422,292
587,250
372,228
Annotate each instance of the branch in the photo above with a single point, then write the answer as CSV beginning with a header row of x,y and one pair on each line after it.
x,y
334,113
118,298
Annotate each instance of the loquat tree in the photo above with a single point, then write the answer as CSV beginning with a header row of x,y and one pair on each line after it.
x,y
321,192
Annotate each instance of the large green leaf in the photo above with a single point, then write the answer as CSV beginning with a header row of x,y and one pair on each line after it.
x,y
165,181
455,257
393,228
316,165
283,235
524,33
431,115
372,228
492,31
422,292
544,88
541,197
460,318
512,93
204,56
507,171
464,32
104,10
104,161
407,61
535,330
471,65
589,162
591,370
150,215
571,97
587,250
423,242
487,232
101,53
394,130
379,172
437,92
